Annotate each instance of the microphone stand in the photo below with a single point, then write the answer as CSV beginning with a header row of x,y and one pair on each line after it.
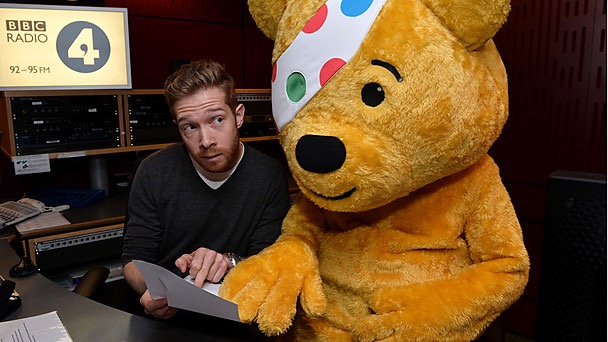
x,y
25,266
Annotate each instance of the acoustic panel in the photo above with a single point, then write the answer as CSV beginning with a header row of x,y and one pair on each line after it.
x,y
156,42
191,10
555,56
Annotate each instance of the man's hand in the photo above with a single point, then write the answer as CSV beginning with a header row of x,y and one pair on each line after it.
x,y
204,264
158,308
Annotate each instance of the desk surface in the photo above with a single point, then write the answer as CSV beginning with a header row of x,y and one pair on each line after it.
x,y
109,210
85,319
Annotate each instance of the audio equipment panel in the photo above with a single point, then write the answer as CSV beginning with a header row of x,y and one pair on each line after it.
x,y
51,123
93,122
258,121
77,248
149,119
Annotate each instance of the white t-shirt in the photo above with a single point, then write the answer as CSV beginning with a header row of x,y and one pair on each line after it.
x,y
223,177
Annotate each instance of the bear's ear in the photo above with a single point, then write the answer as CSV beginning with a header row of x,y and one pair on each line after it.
x,y
267,14
472,21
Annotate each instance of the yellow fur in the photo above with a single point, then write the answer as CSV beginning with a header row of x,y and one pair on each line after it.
x,y
428,247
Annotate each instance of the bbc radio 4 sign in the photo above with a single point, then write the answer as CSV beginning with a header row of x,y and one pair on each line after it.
x,y
62,47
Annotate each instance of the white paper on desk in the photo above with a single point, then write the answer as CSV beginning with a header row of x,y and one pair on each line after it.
x,y
42,328
44,220
182,294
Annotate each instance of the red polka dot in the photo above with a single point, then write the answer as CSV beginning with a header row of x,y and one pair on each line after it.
x,y
317,21
329,69
274,72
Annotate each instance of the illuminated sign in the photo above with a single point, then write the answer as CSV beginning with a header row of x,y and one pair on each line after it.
x,y
63,47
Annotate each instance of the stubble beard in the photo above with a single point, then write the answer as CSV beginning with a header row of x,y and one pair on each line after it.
x,y
229,158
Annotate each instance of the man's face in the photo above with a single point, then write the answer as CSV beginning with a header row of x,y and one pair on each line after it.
x,y
210,129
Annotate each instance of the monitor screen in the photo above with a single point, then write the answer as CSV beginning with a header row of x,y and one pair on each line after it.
x,y
63,47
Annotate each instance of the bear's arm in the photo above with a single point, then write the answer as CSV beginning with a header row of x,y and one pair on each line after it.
x,y
267,286
467,302
304,222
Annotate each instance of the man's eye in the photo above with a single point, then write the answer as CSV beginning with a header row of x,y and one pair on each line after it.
x,y
218,120
187,127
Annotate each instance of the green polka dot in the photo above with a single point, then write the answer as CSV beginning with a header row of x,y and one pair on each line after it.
x,y
295,87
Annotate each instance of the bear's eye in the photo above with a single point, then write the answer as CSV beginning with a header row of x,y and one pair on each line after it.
x,y
372,94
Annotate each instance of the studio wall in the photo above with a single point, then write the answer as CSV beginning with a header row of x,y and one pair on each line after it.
x,y
164,33
555,56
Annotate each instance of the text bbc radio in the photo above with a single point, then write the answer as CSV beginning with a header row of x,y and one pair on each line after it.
x,y
26,31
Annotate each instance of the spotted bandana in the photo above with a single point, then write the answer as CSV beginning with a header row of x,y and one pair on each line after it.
x,y
326,43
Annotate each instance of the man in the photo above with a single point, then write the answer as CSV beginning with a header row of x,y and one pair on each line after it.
x,y
195,203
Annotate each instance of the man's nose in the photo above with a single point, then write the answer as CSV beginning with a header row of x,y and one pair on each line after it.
x,y
320,154
206,139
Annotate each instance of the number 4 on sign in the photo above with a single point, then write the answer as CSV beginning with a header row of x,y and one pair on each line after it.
x,y
82,47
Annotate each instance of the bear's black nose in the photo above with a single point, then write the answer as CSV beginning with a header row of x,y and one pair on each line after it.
x,y
320,154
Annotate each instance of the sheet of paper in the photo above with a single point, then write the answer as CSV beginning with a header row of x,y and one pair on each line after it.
x,y
182,294
207,286
44,220
42,328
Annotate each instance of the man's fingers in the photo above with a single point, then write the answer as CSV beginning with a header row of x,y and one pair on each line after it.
x,y
203,264
165,313
207,265
200,278
151,305
183,262
221,268
200,261
217,269
200,267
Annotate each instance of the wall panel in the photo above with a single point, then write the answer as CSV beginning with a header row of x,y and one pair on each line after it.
x,y
226,11
257,58
555,56
155,42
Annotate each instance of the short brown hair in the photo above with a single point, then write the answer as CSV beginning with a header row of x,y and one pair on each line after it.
x,y
194,76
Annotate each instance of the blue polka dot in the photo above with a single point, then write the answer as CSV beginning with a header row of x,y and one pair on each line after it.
x,y
354,8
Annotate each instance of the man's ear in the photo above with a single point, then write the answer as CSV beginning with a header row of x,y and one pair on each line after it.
x,y
239,115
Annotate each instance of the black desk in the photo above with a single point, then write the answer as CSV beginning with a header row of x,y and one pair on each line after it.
x,y
85,319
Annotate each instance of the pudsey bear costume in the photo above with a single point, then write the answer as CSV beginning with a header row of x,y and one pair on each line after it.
x,y
403,230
